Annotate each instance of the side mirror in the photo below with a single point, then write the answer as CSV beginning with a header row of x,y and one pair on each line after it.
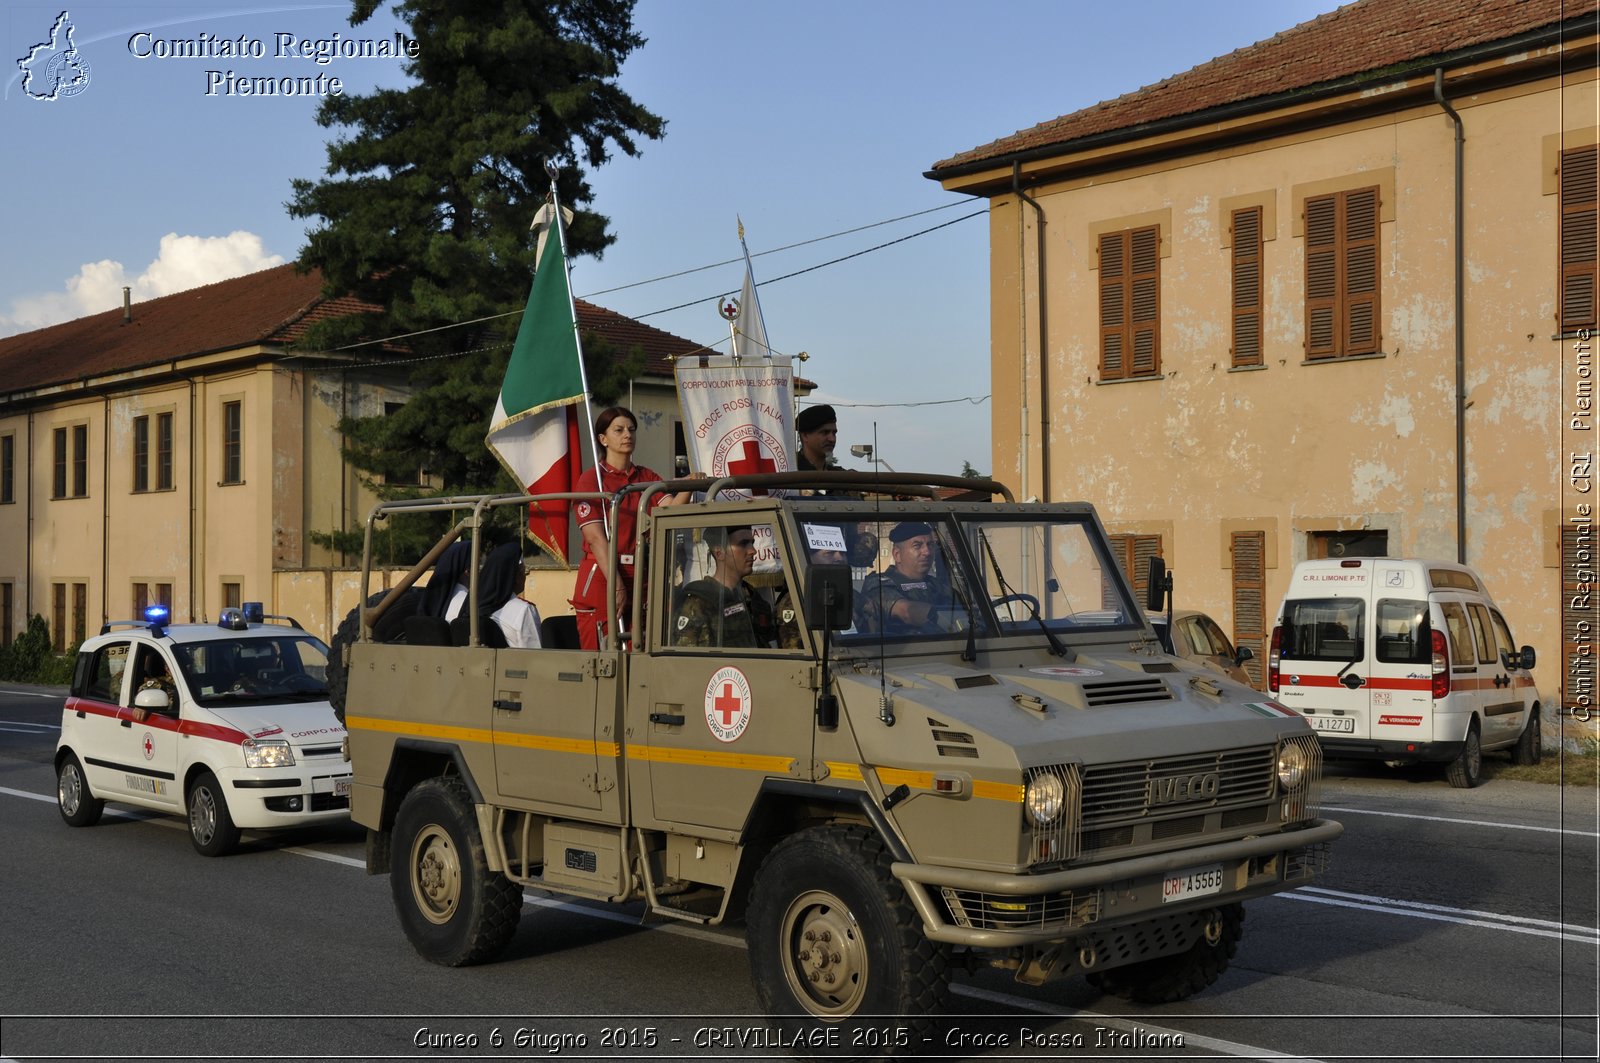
x,y
1523,659
830,598
152,700
1243,654
1157,586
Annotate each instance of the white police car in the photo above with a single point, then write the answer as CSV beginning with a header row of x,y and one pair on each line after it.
x,y
227,724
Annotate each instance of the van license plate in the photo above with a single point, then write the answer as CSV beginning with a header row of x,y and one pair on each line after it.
x,y
341,787
1196,882
1343,724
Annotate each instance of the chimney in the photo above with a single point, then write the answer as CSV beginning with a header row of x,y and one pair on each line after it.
x,y
127,305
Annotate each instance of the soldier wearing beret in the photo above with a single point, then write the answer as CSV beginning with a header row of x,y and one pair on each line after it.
x,y
722,609
906,598
819,434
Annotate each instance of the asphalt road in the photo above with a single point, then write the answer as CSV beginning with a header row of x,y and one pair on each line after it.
x,y
1451,924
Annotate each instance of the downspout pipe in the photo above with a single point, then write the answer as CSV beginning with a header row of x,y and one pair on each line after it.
x,y
1460,329
1044,346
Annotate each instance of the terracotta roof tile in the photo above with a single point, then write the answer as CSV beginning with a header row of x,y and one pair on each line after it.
x,y
272,307
1368,36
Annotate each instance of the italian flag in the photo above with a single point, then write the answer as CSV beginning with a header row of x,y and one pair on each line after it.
x,y
534,430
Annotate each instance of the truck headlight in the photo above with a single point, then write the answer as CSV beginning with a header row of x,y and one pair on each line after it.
x,y
1043,798
271,754
1292,766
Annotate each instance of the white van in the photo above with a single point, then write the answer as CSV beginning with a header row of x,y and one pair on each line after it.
x,y
1404,660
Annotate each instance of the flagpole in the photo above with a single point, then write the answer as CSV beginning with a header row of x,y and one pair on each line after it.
x,y
577,340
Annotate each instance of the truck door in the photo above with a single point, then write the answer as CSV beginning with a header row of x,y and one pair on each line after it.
x,y
555,728
1453,715
1323,664
711,717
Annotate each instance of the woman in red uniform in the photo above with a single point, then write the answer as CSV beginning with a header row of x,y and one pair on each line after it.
x,y
615,429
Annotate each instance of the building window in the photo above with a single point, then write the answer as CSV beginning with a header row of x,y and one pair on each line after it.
x,y
58,616
233,442
1342,274
8,469
164,452
1132,554
1130,303
1348,544
71,467
141,599
80,611
8,602
1247,297
1578,237
142,464
231,596
141,453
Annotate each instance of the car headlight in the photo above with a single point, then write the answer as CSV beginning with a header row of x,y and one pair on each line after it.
x,y
1043,798
1292,766
272,754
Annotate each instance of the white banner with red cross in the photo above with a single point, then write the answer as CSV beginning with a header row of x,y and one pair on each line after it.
x,y
738,417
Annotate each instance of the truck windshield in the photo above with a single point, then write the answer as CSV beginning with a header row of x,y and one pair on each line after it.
x,y
924,577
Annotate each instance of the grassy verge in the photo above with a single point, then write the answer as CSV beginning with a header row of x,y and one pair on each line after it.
x,y
1569,769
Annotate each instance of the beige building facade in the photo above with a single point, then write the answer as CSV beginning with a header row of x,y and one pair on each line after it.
x,y
184,450
1224,310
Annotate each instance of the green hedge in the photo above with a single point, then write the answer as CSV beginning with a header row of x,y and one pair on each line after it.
x,y
30,659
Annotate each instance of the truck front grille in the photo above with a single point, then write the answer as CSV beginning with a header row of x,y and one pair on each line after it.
x,y
1182,785
1056,841
993,911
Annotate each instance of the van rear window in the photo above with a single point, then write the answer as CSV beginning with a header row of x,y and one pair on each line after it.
x,y
1404,634
1322,629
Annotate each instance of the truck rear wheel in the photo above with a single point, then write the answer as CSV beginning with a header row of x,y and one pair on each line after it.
x,y
1172,978
454,910
1530,744
832,936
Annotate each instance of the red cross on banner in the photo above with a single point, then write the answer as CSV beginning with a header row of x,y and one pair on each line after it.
x,y
752,462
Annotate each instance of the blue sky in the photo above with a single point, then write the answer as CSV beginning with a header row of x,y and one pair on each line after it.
x,y
805,120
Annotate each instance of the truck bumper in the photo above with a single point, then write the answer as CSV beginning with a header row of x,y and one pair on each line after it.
x,y
1373,749
996,910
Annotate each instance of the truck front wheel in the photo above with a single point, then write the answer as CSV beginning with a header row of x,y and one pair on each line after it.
x,y
1172,978
832,935
455,911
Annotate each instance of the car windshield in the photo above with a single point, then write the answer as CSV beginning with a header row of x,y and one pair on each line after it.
x,y
255,668
921,578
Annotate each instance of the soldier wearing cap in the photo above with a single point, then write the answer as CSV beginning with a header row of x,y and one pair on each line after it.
x,y
722,609
906,598
819,434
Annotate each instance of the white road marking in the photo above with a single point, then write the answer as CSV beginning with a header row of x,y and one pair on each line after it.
x,y
1464,822
28,727
33,694
1584,935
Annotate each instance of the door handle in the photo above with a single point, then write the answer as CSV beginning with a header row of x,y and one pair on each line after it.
x,y
670,719
1352,681
508,706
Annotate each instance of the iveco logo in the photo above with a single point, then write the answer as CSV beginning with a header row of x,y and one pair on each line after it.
x,y
1176,789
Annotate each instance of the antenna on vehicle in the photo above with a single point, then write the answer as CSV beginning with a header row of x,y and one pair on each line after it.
x,y
885,707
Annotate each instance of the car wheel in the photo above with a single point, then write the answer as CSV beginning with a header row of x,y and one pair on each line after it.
x,y
79,807
1530,744
1167,979
454,910
1466,771
211,826
833,937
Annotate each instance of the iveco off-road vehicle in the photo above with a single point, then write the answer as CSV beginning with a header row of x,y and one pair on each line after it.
x,y
1011,772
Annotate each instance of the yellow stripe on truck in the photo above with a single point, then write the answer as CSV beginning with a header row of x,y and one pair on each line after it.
x,y
923,780
710,758
478,734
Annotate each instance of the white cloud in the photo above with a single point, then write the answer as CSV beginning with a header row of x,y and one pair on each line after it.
x,y
183,262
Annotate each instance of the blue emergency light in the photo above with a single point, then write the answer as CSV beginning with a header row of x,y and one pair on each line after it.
x,y
157,616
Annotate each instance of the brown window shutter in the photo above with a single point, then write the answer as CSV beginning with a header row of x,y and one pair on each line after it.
x,y
1322,275
1113,305
1359,257
1579,223
1145,300
1247,286
1132,554
1249,599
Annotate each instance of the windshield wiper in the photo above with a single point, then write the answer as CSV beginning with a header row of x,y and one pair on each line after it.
x,y
1057,647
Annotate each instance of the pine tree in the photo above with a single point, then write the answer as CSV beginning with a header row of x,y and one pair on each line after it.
x,y
429,194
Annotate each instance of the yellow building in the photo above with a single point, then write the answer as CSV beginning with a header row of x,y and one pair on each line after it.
x,y
1330,294
182,450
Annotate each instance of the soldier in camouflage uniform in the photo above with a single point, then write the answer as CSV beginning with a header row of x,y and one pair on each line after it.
x,y
724,610
787,610
905,599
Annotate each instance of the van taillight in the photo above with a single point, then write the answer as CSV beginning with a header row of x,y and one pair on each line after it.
x,y
1441,667
1272,659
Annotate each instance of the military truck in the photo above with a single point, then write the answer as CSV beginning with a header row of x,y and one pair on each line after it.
x,y
1017,775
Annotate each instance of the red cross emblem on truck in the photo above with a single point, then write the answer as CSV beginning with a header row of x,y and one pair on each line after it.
x,y
727,704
